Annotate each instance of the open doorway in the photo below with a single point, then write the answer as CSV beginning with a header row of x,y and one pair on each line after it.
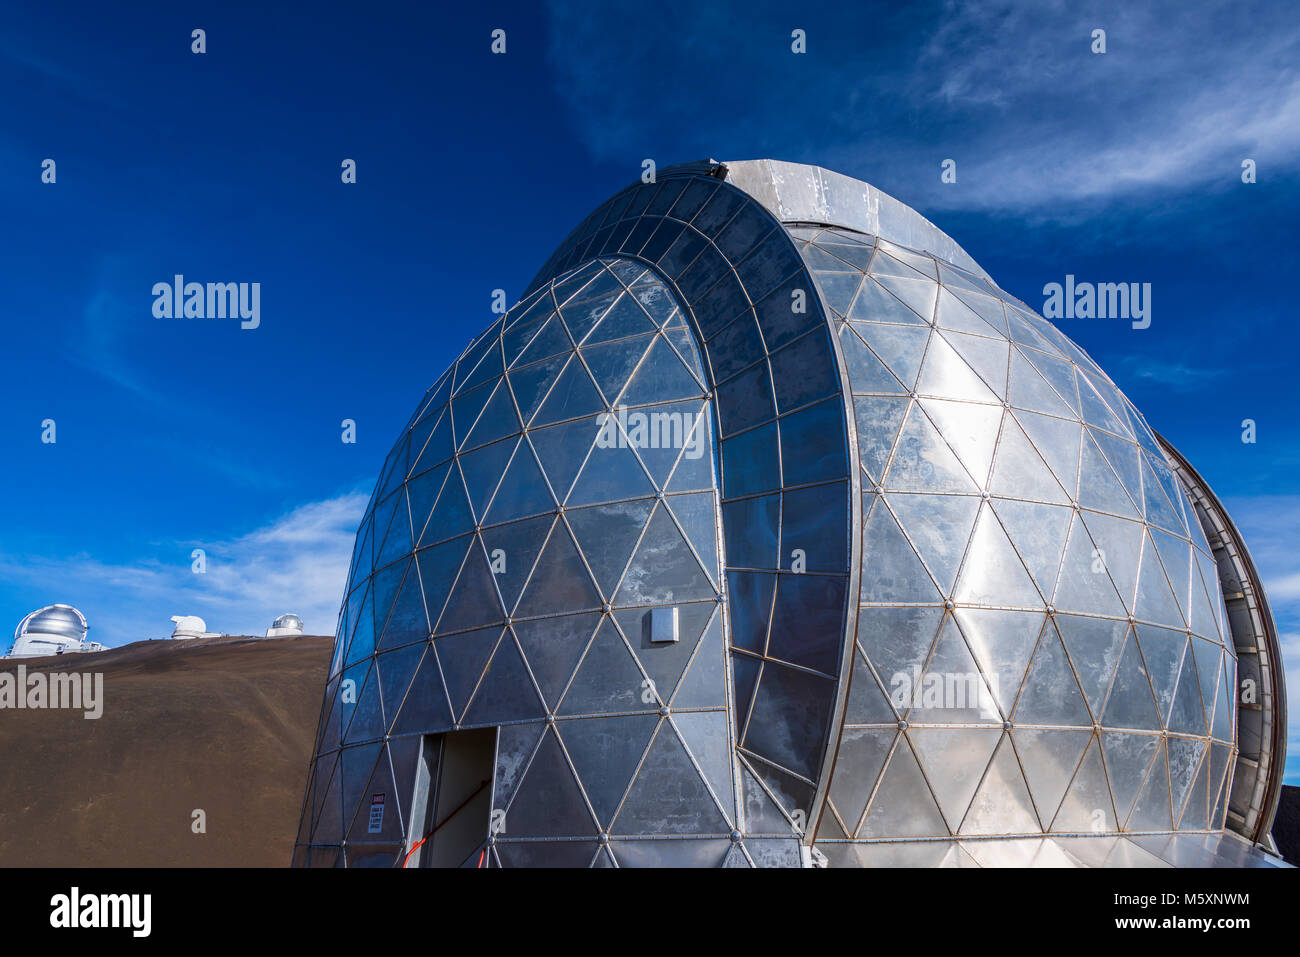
x,y
452,806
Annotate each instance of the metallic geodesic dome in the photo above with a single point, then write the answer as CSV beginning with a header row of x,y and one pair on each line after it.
x,y
766,530
52,630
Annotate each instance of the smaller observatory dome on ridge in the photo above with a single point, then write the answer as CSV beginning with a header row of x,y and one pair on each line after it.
x,y
284,626
189,626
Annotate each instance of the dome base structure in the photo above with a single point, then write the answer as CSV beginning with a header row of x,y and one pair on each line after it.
x,y
766,530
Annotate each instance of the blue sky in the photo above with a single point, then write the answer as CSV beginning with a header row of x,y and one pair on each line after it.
x,y
177,434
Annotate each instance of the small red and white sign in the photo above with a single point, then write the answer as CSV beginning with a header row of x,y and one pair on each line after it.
x,y
376,813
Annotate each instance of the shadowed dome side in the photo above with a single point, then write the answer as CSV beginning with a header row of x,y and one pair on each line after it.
x,y
540,559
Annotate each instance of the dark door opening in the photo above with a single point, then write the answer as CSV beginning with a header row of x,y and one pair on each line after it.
x,y
452,806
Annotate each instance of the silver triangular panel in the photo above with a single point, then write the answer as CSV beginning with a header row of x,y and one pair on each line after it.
x,y
903,805
1002,804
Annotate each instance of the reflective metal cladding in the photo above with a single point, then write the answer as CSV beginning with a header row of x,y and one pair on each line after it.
x,y
766,530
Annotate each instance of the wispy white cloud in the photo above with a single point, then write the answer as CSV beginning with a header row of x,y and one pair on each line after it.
x,y
1271,527
103,345
1285,588
298,562
1183,94
113,333
43,69
1012,91
1179,376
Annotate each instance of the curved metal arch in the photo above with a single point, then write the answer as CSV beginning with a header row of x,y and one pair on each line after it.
x,y
1261,730
797,192
726,256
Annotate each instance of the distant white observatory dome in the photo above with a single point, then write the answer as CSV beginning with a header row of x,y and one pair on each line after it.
x,y
52,630
190,626
285,625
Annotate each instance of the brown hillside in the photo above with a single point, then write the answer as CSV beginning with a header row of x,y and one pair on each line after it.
x,y
222,724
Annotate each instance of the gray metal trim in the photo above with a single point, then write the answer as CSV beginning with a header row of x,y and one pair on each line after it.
x,y
1254,634
795,192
